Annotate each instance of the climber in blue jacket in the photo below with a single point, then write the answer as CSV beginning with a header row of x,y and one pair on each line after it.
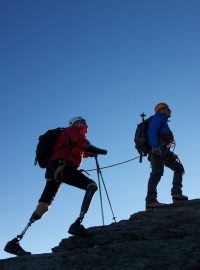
x,y
161,140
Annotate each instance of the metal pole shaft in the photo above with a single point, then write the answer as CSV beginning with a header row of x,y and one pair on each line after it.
x,y
99,184
114,218
100,173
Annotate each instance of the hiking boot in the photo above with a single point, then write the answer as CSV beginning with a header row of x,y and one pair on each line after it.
x,y
154,205
78,230
13,247
179,197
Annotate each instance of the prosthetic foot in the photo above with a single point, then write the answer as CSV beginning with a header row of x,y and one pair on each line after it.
x,y
13,247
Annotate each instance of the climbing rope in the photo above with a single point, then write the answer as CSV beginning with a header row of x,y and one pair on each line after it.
x,y
109,166
119,163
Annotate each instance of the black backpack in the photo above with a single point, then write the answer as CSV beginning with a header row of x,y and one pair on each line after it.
x,y
45,146
141,139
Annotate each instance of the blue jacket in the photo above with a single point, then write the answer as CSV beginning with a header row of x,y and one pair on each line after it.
x,y
159,131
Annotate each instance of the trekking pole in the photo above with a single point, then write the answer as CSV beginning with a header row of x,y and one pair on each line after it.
x,y
143,115
100,176
99,184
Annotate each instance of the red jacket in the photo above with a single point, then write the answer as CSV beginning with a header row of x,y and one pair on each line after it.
x,y
70,145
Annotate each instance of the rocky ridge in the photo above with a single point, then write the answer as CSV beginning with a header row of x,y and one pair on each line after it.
x,y
166,239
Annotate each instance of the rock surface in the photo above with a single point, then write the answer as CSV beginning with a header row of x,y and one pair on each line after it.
x,y
166,239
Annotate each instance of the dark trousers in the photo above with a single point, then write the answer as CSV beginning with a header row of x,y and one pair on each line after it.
x,y
68,175
169,160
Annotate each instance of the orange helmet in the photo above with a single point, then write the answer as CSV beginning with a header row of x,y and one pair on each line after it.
x,y
160,106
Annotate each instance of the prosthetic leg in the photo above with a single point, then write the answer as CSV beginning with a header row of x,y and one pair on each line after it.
x,y
50,190
76,228
13,246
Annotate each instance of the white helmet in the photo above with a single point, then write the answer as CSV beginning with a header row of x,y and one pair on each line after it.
x,y
73,120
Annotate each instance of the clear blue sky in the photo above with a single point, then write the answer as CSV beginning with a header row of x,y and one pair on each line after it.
x,y
108,61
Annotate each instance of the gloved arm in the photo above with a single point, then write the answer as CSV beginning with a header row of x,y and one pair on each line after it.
x,y
94,150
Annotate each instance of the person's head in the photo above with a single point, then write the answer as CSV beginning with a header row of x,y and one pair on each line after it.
x,y
78,121
163,108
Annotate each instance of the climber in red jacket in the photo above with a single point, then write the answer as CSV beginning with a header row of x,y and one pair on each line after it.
x,y
71,146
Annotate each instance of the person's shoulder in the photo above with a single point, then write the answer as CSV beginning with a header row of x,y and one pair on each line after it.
x,y
160,116
65,130
158,119
72,129
76,131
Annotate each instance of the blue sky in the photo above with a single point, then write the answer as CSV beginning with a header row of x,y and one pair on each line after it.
x,y
107,61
